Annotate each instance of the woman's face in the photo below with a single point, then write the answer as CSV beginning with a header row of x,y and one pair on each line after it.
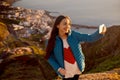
x,y
64,26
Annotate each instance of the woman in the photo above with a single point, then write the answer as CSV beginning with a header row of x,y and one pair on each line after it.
x,y
64,51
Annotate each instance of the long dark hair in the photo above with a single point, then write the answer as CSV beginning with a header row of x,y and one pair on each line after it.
x,y
54,33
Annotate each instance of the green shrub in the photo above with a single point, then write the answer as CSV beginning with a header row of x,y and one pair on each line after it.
x,y
37,50
110,63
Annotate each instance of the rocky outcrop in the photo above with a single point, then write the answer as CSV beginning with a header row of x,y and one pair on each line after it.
x,y
26,67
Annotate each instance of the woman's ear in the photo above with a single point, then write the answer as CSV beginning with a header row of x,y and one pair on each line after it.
x,y
58,26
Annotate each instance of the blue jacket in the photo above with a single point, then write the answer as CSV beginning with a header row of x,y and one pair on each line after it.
x,y
56,59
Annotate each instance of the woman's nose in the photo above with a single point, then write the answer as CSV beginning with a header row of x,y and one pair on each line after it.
x,y
67,26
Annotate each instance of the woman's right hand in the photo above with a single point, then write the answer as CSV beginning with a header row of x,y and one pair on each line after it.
x,y
62,71
102,29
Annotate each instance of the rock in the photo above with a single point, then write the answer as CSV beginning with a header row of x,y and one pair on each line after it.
x,y
100,76
26,67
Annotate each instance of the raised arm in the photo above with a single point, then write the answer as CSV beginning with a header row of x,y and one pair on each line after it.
x,y
92,37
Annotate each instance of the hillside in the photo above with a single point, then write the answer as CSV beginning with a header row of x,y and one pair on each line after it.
x,y
103,57
22,62
103,54
26,67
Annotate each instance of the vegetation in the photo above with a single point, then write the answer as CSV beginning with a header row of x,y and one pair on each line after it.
x,y
37,50
3,33
108,64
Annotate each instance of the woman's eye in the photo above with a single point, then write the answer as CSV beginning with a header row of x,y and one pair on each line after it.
x,y
64,24
67,24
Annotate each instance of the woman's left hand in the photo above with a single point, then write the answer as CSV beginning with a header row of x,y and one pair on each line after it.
x,y
102,29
